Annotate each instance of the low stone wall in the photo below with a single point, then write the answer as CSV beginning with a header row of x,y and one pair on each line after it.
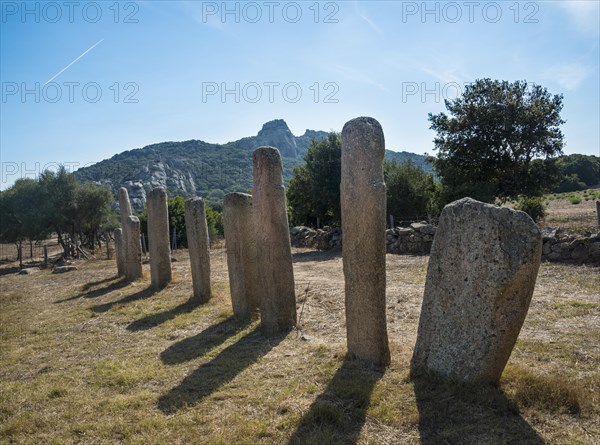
x,y
321,239
563,247
417,238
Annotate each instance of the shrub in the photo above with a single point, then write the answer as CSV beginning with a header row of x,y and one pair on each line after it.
x,y
574,199
534,207
571,183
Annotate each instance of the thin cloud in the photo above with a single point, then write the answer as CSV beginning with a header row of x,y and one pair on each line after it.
x,y
357,76
446,76
568,76
366,18
584,13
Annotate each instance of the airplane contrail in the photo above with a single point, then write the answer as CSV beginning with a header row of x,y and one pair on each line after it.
x,y
67,67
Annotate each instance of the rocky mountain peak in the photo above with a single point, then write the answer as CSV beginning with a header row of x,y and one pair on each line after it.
x,y
276,125
276,133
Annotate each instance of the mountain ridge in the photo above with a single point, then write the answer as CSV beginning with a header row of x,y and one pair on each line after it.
x,y
198,168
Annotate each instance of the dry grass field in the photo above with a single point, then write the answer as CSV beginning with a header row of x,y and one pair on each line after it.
x,y
575,211
86,358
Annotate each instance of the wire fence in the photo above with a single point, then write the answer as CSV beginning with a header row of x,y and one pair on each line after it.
x,y
42,252
32,253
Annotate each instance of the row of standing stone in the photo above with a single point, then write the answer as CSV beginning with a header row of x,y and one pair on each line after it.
x,y
480,278
129,249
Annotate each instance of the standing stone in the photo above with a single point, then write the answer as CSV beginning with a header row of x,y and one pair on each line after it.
x,y
120,251
241,254
199,248
363,205
274,254
125,213
598,212
480,279
124,205
158,238
133,249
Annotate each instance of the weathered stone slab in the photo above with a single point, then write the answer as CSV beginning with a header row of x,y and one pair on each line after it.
x,y
120,252
133,249
274,254
240,239
199,248
480,280
363,205
158,238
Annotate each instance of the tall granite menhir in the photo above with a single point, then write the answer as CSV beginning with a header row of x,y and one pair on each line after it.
x,y
132,249
158,238
199,248
124,205
274,254
241,254
363,205
482,270
124,212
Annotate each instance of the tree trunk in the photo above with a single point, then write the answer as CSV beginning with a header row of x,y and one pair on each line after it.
x,y
62,243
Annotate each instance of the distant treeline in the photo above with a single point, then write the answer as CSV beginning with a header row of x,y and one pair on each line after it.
x,y
56,202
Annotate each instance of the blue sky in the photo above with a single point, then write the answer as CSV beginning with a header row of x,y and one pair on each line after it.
x,y
82,81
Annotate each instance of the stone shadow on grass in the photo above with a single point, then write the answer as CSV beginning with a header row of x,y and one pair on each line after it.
x,y
9,270
451,412
140,295
88,286
153,320
193,347
316,255
221,370
339,413
95,293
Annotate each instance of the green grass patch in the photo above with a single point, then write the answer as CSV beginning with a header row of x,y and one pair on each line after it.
x,y
550,393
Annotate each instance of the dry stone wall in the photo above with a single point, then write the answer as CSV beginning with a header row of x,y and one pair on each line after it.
x,y
417,238
413,239
563,247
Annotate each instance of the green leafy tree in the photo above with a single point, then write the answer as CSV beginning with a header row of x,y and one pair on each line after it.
x,y
314,191
92,211
214,219
491,136
411,193
59,190
33,209
20,209
570,183
580,171
176,206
